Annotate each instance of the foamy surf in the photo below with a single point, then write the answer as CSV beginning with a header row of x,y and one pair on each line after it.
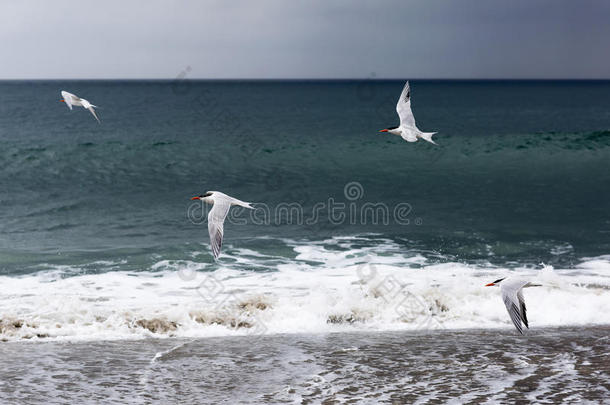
x,y
340,284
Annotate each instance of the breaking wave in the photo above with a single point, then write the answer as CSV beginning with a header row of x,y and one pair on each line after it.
x,y
333,285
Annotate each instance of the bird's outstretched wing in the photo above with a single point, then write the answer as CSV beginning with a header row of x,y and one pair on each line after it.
x,y
89,106
513,311
403,108
94,114
515,304
523,309
216,219
67,97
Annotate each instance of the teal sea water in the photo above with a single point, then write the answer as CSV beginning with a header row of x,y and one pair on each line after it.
x,y
97,229
521,173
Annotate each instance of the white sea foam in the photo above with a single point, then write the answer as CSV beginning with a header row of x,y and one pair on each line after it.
x,y
329,286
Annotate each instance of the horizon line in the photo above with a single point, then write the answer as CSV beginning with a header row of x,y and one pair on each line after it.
x,y
304,79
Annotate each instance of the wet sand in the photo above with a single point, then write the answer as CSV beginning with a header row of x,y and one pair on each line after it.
x,y
476,366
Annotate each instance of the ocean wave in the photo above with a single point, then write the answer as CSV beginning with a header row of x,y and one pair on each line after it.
x,y
334,285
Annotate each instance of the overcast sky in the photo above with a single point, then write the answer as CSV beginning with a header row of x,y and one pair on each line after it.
x,y
305,39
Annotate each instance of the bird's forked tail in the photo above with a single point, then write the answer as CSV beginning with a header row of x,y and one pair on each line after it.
x,y
427,136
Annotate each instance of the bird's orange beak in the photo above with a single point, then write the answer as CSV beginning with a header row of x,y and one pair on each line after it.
x,y
63,100
489,285
384,130
195,198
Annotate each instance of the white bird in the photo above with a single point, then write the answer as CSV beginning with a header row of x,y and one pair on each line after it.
x,y
73,100
512,295
407,128
216,217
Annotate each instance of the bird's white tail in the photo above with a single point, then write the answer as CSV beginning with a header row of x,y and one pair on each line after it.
x,y
427,136
241,203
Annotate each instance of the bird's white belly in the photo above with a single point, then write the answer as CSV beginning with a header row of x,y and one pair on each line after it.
x,y
409,135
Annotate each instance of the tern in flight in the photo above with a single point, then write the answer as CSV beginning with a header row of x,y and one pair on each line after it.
x,y
512,295
216,217
71,99
407,128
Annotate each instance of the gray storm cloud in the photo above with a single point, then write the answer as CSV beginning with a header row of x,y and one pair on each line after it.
x,y
304,39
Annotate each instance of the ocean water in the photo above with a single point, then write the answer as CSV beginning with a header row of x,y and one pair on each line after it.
x,y
354,230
